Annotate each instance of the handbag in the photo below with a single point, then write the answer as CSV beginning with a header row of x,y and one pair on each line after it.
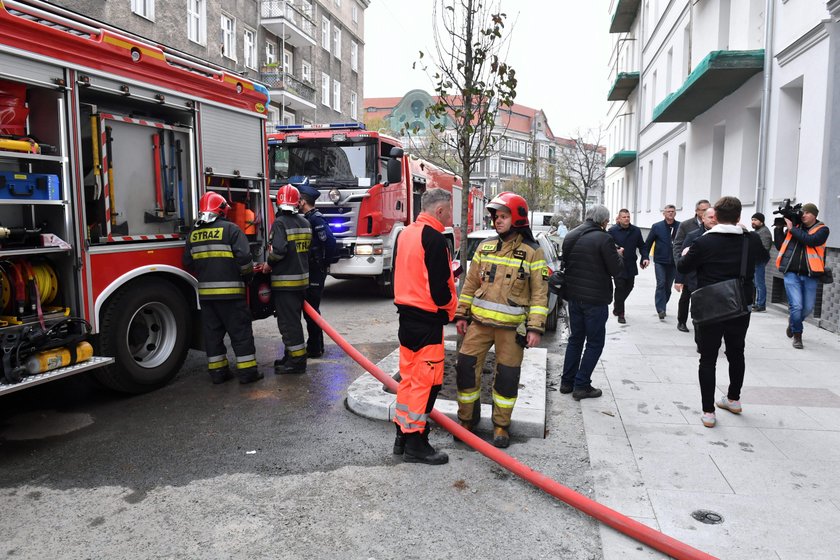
x,y
722,300
827,276
557,280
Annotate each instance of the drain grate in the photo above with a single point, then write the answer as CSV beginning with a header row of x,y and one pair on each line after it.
x,y
708,517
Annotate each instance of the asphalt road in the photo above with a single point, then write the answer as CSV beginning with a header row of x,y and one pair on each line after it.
x,y
277,469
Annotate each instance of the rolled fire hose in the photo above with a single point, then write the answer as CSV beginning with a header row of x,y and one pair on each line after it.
x,y
630,527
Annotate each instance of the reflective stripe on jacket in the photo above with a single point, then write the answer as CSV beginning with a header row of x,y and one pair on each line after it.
x,y
219,256
506,285
815,255
289,241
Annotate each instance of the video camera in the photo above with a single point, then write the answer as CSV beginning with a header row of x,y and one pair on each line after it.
x,y
792,213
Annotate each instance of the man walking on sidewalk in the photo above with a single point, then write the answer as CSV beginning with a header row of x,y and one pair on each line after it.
x,y
425,296
761,262
686,228
802,260
660,239
629,238
591,261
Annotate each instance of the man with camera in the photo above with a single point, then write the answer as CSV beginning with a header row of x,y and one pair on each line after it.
x,y
802,261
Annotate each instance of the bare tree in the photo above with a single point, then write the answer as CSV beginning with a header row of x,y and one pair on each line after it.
x,y
472,82
581,168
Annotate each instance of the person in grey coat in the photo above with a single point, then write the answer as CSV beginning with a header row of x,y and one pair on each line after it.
x,y
761,261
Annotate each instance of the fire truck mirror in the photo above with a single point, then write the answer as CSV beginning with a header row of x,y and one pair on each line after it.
x,y
394,169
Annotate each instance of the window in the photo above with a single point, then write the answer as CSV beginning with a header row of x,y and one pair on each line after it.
x,y
354,11
288,62
197,21
306,72
228,37
337,41
325,89
336,95
144,8
354,56
270,52
354,106
249,39
325,33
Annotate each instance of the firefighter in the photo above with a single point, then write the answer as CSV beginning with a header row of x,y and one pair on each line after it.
x,y
217,251
322,253
424,293
288,264
505,298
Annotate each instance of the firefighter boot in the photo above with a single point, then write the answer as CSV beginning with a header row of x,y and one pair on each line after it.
x,y
501,438
399,441
470,424
221,375
291,367
249,375
418,450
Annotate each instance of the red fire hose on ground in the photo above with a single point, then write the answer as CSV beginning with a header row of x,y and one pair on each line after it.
x,y
617,521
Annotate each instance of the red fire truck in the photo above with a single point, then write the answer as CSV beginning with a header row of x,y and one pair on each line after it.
x,y
107,141
372,189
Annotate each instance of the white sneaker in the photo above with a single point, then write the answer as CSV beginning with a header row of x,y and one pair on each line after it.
x,y
732,406
708,419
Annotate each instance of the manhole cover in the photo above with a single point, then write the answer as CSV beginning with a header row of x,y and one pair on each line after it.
x,y
707,517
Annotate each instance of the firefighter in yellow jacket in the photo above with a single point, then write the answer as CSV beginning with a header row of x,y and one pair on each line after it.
x,y
424,293
506,291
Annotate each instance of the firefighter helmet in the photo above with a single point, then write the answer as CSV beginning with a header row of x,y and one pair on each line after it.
x,y
287,198
210,206
515,204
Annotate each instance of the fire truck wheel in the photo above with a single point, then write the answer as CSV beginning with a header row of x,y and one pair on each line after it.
x,y
145,326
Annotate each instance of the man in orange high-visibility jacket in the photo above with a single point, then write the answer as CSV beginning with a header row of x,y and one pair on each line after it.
x,y
425,297
802,261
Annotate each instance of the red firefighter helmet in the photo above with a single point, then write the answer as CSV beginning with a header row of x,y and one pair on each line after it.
x,y
288,197
211,206
515,204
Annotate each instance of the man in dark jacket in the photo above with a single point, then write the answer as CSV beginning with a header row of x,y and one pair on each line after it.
x,y
591,262
686,227
716,256
660,238
629,238
322,253
217,252
761,264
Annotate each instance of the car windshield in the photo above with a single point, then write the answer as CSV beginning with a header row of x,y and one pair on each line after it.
x,y
351,163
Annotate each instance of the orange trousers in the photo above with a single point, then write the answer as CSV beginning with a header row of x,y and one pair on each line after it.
x,y
422,377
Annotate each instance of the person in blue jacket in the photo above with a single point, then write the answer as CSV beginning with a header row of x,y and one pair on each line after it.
x,y
628,237
322,253
661,239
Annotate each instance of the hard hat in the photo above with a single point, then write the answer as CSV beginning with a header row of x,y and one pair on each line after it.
x,y
287,198
210,206
515,204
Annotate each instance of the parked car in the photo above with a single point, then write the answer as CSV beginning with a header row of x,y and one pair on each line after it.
x,y
551,246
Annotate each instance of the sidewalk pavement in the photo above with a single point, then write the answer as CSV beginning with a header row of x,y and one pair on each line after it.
x,y
770,473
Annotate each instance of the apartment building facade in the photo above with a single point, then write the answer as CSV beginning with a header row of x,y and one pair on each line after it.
x,y
309,53
726,97
522,131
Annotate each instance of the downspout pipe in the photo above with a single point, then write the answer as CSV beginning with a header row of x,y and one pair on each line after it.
x,y
763,131
630,527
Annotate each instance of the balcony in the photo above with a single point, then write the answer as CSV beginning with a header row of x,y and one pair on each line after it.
x,y
621,159
288,90
717,76
288,21
623,86
624,16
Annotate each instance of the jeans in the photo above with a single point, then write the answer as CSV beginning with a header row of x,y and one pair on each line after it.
x,y
588,324
623,287
802,296
664,280
760,285
734,333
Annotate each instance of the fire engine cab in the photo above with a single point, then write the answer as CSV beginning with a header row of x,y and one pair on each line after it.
x,y
107,141
372,187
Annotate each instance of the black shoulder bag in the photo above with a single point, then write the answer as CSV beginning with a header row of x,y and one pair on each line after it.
x,y
722,300
557,280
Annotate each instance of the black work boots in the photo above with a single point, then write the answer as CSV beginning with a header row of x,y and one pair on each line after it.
x,y
399,441
418,449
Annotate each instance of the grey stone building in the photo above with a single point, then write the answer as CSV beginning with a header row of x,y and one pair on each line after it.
x,y
309,53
